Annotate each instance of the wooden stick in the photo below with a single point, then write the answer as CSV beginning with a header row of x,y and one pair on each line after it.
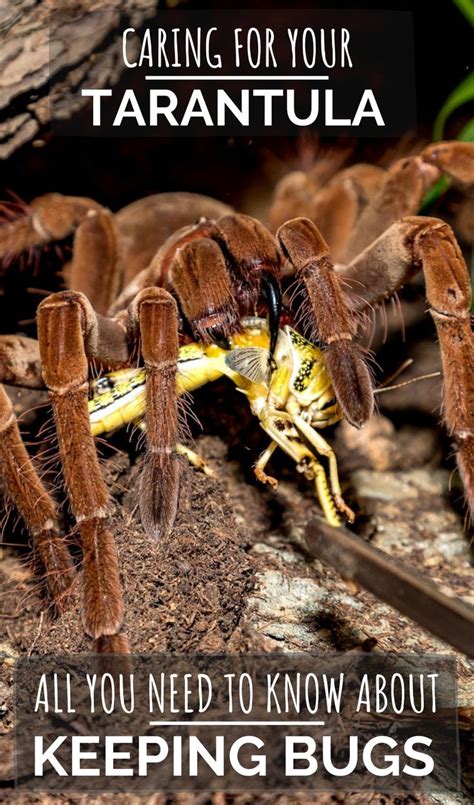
x,y
403,588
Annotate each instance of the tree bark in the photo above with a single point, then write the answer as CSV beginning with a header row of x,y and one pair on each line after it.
x,y
49,51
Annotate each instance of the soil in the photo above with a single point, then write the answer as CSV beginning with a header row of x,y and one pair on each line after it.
x,y
175,593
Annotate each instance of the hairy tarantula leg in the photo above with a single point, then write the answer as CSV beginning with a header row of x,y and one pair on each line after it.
x,y
324,449
95,266
331,319
113,644
63,321
379,271
338,207
428,243
406,182
334,210
157,316
405,185
200,277
455,158
448,290
36,506
45,219
259,468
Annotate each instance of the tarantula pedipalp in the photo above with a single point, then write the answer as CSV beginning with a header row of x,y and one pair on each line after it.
x,y
220,271
108,249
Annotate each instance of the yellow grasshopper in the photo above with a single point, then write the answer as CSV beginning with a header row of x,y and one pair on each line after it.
x,y
290,394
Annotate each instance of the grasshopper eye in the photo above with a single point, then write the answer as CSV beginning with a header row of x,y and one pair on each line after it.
x,y
102,385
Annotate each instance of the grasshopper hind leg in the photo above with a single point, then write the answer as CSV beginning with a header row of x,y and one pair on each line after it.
x,y
314,471
196,460
283,433
183,450
259,468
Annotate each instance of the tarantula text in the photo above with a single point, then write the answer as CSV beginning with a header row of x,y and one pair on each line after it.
x,y
177,290
247,107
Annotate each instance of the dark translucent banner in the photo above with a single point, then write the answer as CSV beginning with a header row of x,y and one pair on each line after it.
x,y
167,723
252,72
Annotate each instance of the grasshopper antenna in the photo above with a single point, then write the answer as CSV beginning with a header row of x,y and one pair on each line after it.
x,y
383,389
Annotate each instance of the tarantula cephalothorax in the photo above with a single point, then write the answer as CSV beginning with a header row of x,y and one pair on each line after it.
x,y
219,271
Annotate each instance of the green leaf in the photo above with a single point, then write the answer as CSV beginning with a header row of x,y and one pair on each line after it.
x,y
466,7
463,93
467,133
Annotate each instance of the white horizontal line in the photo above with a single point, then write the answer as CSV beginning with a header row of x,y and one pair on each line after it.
x,y
234,723
237,78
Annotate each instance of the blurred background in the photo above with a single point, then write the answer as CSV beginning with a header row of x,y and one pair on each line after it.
x,y
116,171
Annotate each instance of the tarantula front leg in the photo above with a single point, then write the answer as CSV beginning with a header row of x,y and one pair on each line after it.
x,y
20,366
329,317
66,324
156,314
430,244
96,267
36,506
404,188
448,289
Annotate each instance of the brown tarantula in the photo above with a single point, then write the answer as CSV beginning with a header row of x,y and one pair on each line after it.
x,y
202,280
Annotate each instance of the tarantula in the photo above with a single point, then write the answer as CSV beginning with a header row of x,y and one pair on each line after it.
x,y
201,285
